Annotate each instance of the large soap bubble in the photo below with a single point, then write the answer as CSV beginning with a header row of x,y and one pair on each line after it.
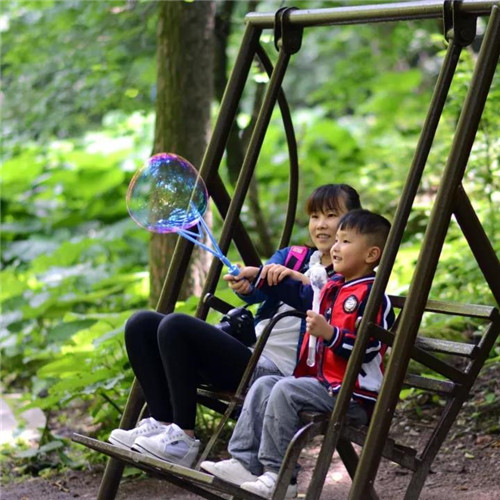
x,y
167,194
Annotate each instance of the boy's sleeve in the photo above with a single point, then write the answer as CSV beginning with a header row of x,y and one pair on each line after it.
x,y
342,342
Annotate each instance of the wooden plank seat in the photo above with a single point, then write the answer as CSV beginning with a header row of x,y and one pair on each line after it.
x,y
447,380
396,452
192,480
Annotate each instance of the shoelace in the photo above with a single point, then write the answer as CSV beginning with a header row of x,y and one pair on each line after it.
x,y
148,421
172,434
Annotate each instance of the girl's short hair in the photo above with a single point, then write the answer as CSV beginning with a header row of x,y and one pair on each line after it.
x,y
330,197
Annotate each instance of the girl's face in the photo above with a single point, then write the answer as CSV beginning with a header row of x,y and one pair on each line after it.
x,y
323,227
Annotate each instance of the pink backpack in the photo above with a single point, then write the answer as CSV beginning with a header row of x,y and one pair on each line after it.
x,y
296,257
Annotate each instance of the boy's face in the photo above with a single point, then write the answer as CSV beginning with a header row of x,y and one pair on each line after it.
x,y
323,227
352,255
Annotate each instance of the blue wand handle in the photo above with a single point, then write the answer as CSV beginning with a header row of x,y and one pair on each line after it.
x,y
234,270
214,250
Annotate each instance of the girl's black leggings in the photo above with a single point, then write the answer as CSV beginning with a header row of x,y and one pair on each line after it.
x,y
172,354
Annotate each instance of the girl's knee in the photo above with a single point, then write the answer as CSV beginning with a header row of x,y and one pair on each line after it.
x,y
173,321
139,325
135,320
172,328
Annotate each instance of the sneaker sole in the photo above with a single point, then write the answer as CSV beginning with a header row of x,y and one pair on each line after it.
x,y
208,468
119,444
173,461
226,476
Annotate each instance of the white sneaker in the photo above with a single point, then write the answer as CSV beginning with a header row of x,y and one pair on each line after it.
x,y
265,485
172,445
231,470
146,427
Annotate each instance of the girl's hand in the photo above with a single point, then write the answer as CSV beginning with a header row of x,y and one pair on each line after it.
x,y
317,326
242,283
275,273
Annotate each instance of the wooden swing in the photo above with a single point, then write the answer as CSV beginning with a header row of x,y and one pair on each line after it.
x,y
459,19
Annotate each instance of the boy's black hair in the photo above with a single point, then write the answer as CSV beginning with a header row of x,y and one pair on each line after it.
x,y
368,223
328,196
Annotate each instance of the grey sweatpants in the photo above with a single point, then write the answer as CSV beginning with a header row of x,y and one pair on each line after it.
x,y
270,418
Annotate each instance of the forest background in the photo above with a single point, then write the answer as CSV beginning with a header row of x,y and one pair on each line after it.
x,y
79,94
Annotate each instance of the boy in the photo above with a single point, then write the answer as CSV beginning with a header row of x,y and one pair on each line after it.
x,y
270,414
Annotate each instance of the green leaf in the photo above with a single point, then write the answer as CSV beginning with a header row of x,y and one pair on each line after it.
x,y
64,331
64,365
51,446
18,173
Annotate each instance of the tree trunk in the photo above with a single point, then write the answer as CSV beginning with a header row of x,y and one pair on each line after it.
x,y
184,97
238,139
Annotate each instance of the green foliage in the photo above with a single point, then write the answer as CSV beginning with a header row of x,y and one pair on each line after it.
x,y
72,261
74,268
78,123
66,64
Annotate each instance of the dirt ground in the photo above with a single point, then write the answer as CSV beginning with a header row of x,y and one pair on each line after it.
x,y
466,468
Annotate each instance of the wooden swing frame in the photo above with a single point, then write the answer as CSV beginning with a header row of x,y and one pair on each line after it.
x,y
459,20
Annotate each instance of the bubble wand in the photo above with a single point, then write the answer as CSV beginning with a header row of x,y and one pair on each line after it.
x,y
318,277
168,195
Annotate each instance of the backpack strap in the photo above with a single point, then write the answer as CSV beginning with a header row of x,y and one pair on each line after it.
x,y
296,257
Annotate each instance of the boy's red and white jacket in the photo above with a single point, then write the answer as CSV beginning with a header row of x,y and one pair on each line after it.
x,y
342,304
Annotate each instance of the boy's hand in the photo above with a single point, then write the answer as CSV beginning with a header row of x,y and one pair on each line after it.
x,y
318,326
242,283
